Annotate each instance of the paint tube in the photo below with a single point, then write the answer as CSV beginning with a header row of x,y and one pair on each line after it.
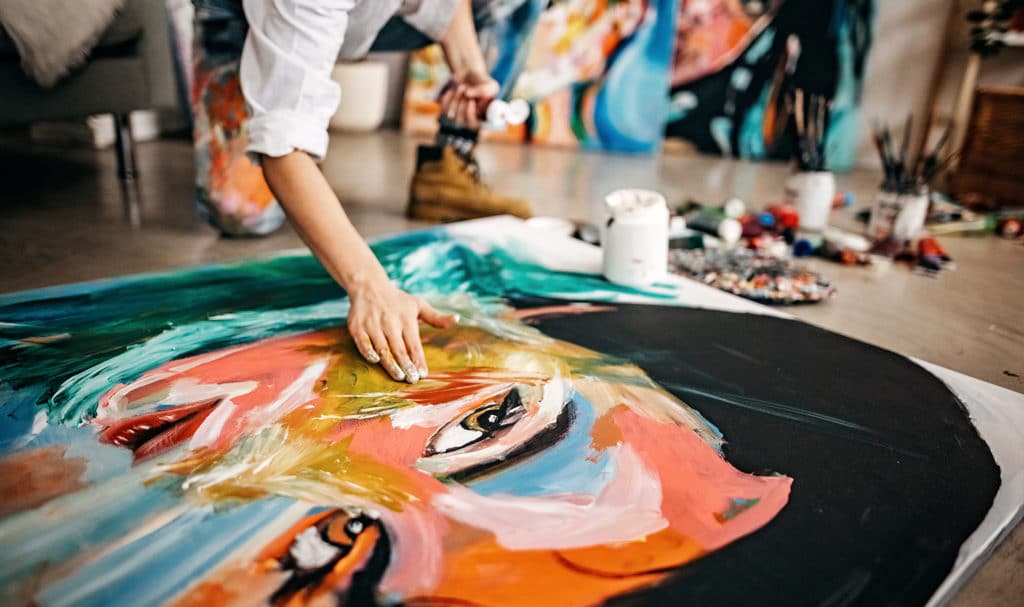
x,y
714,221
836,241
497,114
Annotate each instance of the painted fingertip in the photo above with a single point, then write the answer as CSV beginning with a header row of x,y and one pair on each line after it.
x,y
373,357
396,373
412,375
423,372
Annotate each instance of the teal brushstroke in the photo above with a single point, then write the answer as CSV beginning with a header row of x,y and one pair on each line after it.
x,y
739,505
844,116
751,139
721,130
760,47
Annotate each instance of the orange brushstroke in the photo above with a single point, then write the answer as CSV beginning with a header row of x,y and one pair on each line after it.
x,y
698,483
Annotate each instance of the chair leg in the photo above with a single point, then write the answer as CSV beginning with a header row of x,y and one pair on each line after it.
x,y
126,168
125,146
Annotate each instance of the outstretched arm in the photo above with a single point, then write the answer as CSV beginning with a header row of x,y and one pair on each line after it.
x,y
383,319
286,78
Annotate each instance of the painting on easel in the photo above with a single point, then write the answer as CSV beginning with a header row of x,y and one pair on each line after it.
x,y
575,443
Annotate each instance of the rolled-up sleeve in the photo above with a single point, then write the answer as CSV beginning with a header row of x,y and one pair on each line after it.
x,y
431,17
285,73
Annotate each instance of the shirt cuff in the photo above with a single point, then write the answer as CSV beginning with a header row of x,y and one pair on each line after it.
x,y
432,18
282,132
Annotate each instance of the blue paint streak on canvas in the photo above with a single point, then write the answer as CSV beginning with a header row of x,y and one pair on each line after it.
x,y
102,461
17,410
844,116
569,466
751,139
155,567
761,46
79,522
628,116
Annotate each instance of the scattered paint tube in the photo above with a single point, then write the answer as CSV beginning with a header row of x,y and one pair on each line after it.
x,y
931,257
835,239
692,239
846,248
714,221
784,216
1009,227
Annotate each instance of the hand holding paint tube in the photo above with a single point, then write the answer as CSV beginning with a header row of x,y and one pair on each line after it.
x,y
493,113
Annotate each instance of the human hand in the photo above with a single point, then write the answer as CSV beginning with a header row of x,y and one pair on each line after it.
x,y
384,323
463,96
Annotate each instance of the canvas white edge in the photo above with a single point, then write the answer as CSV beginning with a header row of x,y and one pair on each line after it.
x,y
998,415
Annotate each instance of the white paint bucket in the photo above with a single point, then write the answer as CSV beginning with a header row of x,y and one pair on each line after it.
x,y
811,194
634,238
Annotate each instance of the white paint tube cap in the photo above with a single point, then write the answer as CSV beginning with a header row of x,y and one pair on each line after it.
x,y
503,113
730,231
734,208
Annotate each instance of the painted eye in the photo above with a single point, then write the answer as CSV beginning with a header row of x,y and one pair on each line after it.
x,y
487,419
478,425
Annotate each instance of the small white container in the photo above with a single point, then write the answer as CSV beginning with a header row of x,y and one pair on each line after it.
x,y
364,96
634,238
811,194
911,217
898,216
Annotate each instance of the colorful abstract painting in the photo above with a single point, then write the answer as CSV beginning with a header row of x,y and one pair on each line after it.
x,y
210,436
736,62
593,72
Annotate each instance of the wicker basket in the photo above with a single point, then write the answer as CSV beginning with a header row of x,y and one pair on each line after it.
x,y
992,160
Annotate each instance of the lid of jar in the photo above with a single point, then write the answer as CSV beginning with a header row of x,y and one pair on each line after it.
x,y
636,204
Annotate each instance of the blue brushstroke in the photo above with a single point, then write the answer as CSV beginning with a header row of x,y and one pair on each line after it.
x,y
628,115
155,567
760,47
721,130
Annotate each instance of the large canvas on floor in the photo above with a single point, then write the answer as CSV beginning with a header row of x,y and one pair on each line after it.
x,y
737,61
210,436
594,73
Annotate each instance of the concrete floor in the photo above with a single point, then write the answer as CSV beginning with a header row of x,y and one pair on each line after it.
x,y
63,221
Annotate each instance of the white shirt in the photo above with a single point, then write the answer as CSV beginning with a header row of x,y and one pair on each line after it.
x,y
289,53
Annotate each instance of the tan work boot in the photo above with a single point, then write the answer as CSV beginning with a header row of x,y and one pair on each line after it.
x,y
447,187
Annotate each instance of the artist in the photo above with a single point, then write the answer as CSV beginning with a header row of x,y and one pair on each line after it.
x,y
263,97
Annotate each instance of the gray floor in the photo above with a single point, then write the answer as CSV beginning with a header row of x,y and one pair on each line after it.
x,y
63,221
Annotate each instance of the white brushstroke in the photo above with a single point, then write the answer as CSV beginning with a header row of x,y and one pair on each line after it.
x,y
310,551
432,416
628,509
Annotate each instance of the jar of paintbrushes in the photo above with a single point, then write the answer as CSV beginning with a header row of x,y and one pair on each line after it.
x,y
811,189
901,205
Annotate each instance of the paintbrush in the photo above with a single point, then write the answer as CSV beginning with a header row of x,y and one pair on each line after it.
x,y
904,162
928,166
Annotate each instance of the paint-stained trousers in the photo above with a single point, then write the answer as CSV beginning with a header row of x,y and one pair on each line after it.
x,y
230,191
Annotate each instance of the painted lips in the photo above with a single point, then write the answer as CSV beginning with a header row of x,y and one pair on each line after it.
x,y
154,433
